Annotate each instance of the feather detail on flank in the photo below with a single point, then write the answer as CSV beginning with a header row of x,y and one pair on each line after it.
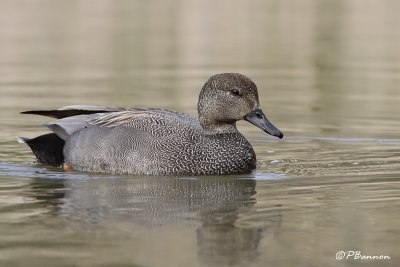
x,y
115,119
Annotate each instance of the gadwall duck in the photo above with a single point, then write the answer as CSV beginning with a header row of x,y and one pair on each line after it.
x,y
158,141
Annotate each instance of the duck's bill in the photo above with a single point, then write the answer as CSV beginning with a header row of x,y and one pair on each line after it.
x,y
258,118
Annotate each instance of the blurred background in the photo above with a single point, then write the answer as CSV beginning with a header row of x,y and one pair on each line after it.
x,y
322,67
328,74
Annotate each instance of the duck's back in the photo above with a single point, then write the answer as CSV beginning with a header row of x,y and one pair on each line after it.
x,y
155,142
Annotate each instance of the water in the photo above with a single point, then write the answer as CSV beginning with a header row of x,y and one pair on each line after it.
x,y
328,74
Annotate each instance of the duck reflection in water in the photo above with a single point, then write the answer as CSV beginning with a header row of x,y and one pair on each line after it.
x,y
215,203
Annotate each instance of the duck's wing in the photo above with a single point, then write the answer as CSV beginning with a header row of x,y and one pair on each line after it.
x,y
145,119
133,118
69,125
74,110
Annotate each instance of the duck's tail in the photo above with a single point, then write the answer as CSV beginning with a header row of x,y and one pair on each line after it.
x,y
48,148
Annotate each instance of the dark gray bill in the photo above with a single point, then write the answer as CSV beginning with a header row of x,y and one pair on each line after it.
x,y
258,118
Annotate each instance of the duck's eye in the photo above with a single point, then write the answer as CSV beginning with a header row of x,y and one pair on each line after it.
x,y
235,92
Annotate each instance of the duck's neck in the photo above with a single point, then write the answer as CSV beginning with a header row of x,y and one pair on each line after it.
x,y
215,127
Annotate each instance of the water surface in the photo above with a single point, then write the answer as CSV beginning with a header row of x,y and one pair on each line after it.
x,y
328,74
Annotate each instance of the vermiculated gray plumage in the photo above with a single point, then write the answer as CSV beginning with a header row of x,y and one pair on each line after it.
x,y
164,142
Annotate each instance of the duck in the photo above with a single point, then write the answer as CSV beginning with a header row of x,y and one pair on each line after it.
x,y
154,141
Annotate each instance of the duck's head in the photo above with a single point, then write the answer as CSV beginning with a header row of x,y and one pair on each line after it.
x,y
228,97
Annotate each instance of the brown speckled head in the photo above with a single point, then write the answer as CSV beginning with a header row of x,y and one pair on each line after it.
x,y
229,97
